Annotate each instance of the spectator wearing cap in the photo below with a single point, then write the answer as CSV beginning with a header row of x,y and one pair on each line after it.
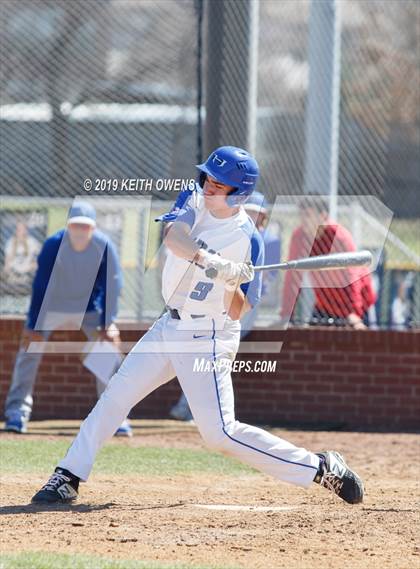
x,y
76,286
340,296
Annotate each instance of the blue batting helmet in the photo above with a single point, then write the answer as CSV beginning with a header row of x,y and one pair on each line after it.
x,y
234,167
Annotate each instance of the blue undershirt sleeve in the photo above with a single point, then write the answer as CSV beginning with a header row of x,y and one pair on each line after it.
x,y
252,290
186,215
181,200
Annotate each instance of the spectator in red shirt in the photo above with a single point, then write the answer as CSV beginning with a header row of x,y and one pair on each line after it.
x,y
341,294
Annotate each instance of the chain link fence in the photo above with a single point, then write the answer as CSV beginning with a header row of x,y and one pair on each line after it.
x,y
112,90
100,89
379,136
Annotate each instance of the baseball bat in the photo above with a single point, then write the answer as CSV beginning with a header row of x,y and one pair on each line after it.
x,y
318,263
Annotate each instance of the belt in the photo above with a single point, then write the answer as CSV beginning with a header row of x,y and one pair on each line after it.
x,y
175,314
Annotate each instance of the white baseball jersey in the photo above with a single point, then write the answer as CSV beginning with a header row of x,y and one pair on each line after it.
x,y
185,285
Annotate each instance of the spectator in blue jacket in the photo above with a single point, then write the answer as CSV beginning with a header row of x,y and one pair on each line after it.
x,y
76,286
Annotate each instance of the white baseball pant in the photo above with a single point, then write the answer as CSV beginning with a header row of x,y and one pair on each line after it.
x,y
169,349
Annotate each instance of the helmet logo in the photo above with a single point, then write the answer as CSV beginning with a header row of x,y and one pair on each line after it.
x,y
218,161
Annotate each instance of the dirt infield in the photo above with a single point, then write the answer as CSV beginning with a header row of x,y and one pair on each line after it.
x,y
268,525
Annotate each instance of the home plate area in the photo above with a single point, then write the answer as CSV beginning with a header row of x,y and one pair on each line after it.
x,y
159,497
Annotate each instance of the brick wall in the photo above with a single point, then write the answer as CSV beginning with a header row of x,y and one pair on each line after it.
x,y
324,377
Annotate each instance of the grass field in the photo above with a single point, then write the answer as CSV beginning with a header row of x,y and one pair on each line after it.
x,y
25,455
162,501
63,561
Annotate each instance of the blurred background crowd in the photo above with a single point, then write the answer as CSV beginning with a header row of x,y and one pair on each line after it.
x,y
116,89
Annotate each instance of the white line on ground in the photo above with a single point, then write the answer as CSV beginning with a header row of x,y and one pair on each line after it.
x,y
244,508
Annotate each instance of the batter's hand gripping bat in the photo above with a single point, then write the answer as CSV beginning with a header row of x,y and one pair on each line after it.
x,y
318,263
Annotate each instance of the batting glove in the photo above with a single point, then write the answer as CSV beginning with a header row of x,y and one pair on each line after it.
x,y
228,271
246,275
224,269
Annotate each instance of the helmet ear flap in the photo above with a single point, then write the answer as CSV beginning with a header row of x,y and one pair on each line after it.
x,y
201,179
234,199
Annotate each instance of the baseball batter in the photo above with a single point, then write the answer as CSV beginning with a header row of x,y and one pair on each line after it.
x,y
210,230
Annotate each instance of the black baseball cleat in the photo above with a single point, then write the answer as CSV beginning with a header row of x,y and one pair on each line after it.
x,y
335,475
61,487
